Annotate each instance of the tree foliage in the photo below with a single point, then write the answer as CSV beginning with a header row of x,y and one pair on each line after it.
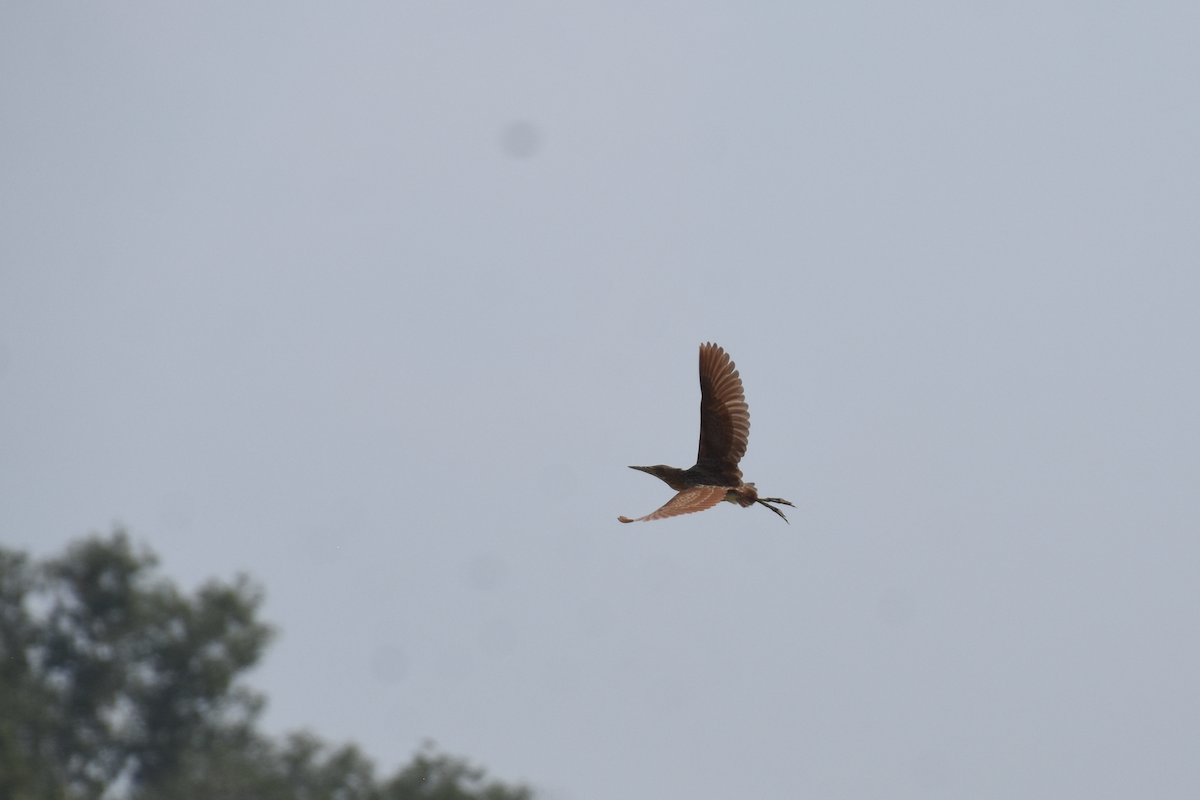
x,y
115,684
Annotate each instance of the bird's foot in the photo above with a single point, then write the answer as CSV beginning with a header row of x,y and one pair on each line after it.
x,y
766,501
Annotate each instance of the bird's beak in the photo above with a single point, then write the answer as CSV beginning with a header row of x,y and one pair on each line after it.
x,y
641,469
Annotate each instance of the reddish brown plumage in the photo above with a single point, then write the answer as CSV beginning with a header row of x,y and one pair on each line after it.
x,y
724,432
697,498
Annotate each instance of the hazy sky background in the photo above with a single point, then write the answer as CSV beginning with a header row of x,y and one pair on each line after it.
x,y
376,303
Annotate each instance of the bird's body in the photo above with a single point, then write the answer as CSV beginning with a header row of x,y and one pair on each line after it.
x,y
724,430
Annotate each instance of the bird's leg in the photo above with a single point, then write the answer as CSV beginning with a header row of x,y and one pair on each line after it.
x,y
766,501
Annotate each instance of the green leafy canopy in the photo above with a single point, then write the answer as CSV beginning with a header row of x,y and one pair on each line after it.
x,y
114,684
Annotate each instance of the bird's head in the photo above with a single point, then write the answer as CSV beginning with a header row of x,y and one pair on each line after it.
x,y
672,476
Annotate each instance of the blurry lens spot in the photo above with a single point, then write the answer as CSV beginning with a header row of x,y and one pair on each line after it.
x,y
388,664
521,140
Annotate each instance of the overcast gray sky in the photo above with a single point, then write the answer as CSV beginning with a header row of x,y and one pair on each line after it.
x,y
376,303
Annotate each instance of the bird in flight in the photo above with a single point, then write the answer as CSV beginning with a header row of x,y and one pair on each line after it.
x,y
724,429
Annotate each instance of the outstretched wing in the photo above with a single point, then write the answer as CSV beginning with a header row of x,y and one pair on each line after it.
x,y
724,415
688,501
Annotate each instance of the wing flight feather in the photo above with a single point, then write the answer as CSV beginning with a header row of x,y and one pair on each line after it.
x,y
724,415
689,501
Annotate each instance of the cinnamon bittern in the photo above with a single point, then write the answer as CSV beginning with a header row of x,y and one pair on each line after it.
x,y
724,429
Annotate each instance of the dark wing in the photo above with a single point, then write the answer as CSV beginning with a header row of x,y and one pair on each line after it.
x,y
724,415
688,501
